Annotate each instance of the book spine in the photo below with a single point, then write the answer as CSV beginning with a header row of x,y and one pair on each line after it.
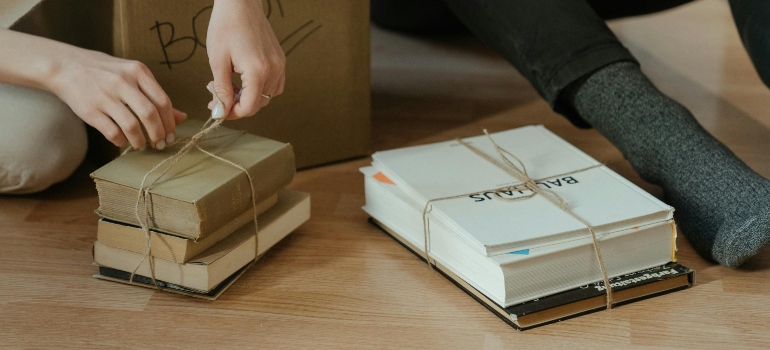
x,y
270,175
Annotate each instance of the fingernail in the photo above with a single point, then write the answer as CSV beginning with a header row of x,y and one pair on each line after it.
x,y
160,145
170,137
219,111
144,147
185,115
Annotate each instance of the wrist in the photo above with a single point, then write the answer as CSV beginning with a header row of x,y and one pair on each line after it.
x,y
222,2
46,72
44,61
241,5
51,73
28,60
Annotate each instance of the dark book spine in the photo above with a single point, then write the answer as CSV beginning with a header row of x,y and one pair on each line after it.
x,y
619,283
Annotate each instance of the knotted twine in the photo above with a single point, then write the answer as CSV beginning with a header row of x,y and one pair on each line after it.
x,y
144,192
526,183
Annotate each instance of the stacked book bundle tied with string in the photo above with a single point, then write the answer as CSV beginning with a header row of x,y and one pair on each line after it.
x,y
192,223
526,224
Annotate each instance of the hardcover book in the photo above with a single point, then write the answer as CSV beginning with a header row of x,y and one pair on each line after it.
x,y
214,265
199,194
526,274
114,275
628,288
492,226
166,246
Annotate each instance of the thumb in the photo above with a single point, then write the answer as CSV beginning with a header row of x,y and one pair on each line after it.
x,y
222,89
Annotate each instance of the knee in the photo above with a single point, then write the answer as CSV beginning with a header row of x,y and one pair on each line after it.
x,y
40,148
38,160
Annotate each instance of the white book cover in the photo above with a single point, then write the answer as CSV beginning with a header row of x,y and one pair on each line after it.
x,y
599,196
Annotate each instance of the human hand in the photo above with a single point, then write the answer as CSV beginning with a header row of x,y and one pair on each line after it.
x,y
240,40
118,97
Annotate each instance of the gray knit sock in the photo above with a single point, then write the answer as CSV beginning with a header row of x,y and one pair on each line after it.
x,y
722,206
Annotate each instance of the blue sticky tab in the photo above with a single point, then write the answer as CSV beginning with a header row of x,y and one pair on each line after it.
x,y
520,252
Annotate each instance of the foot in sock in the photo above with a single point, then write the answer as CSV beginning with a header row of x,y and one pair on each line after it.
x,y
722,206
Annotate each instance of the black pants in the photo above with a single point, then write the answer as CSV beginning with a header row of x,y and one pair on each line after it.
x,y
554,43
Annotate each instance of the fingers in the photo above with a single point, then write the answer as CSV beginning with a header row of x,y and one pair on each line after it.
x,y
251,96
222,88
212,103
107,127
281,84
270,89
129,125
138,95
149,115
258,82
179,116
152,90
265,78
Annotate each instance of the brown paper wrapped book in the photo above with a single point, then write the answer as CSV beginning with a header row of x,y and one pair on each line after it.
x,y
200,194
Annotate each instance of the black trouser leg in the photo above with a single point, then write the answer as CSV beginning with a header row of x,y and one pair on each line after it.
x,y
416,16
611,9
752,17
553,43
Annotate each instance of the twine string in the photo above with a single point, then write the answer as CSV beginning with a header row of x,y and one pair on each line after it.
x,y
519,172
143,196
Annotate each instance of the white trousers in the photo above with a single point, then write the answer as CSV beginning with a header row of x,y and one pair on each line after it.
x,y
42,141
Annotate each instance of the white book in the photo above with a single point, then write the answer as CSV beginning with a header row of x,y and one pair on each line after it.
x,y
527,274
608,202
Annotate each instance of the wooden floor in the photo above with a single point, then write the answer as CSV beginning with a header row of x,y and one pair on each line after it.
x,y
340,283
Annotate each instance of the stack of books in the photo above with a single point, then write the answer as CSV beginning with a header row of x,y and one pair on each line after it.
x,y
200,213
527,260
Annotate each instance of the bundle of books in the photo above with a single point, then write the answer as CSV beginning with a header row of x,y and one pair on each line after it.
x,y
199,213
529,261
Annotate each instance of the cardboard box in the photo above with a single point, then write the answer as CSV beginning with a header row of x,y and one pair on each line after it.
x,y
325,109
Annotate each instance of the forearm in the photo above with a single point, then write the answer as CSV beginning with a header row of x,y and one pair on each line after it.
x,y
30,60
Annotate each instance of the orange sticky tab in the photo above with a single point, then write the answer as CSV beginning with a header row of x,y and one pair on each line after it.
x,y
379,176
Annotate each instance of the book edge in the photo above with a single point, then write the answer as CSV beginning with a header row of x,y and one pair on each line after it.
x,y
509,318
